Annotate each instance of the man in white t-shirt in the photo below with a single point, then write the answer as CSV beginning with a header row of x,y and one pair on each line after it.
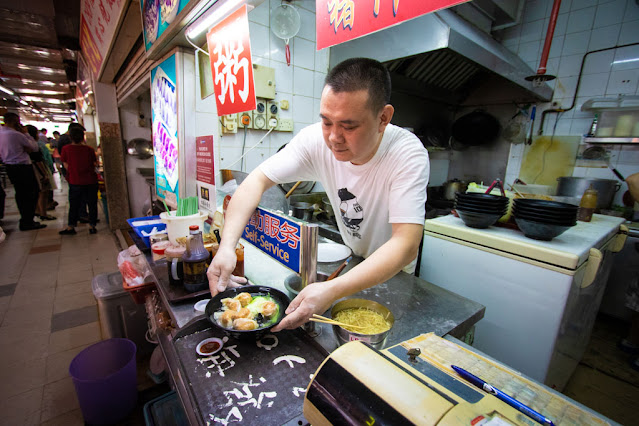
x,y
374,173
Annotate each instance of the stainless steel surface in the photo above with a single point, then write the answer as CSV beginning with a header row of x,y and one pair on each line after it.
x,y
140,148
303,211
611,140
273,198
417,47
569,186
308,266
377,340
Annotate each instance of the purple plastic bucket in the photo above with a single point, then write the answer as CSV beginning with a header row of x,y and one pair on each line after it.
x,y
105,379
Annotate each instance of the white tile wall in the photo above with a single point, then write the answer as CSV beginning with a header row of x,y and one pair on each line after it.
x,y
307,27
303,112
303,81
304,54
259,40
260,14
318,84
582,26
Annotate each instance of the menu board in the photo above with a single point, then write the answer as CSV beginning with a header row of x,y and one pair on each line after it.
x,y
157,15
165,129
205,172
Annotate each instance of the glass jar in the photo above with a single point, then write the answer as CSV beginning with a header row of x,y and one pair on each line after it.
x,y
159,243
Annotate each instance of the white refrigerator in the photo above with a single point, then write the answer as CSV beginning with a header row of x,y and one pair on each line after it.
x,y
541,297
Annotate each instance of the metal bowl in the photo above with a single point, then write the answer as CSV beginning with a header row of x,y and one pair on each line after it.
x,y
375,340
294,281
215,305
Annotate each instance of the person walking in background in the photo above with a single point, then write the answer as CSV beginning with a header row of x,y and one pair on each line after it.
x,y
15,147
42,173
79,161
47,151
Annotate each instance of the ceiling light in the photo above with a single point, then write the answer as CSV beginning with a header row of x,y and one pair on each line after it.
x,y
625,61
42,92
6,90
23,102
212,16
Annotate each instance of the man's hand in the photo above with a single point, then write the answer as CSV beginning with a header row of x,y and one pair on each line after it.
x,y
316,298
219,273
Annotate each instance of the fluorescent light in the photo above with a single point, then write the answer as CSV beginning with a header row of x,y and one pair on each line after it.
x,y
625,61
23,102
212,16
6,90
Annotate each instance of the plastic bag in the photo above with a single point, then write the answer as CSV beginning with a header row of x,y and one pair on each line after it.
x,y
133,266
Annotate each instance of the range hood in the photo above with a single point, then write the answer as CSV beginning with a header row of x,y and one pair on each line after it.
x,y
446,54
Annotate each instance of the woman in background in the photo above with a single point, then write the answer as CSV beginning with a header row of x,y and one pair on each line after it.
x,y
43,175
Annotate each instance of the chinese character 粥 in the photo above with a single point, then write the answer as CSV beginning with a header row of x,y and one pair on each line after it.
x,y
227,66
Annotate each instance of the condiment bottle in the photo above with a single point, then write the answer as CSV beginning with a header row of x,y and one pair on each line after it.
x,y
587,205
174,264
195,261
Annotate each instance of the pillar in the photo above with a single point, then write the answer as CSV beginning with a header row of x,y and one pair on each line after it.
x,y
107,128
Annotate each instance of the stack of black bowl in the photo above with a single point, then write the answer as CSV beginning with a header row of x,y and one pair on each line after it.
x,y
480,210
543,220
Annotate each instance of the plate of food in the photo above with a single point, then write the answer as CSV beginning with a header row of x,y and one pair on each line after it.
x,y
247,312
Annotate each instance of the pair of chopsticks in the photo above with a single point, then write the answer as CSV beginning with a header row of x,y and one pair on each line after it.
x,y
324,320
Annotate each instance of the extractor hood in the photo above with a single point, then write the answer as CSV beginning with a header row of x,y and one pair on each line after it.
x,y
445,53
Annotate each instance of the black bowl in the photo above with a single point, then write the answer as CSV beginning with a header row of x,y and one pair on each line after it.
x,y
539,230
483,198
547,218
541,210
478,220
487,210
545,204
482,204
215,305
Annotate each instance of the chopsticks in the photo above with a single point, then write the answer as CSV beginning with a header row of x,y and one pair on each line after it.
x,y
324,320
339,269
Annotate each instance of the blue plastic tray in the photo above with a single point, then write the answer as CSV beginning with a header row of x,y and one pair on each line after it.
x,y
165,410
146,228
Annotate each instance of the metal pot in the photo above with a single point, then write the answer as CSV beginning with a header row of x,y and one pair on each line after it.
x,y
576,186
303,211
452,187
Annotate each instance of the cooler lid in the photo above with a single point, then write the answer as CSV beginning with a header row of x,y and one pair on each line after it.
x,y
106,286
569,250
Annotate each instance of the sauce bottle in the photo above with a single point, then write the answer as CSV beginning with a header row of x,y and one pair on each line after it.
x,y
587,205
195,261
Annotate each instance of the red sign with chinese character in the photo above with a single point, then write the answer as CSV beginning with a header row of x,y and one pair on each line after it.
x,y
98,20
342,20
204,160
231,65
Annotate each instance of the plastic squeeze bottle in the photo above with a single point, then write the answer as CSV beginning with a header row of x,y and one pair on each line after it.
x,y
195,261
587,205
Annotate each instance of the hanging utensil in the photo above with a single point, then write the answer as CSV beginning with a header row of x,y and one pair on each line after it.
x,y
532,125
285,25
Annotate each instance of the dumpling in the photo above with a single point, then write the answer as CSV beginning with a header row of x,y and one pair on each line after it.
x,y
243,313
244,324
268,308
244,298
231,304
226,319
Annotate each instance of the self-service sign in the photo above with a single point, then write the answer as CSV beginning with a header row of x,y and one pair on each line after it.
x,y
277,236
231,65
338,21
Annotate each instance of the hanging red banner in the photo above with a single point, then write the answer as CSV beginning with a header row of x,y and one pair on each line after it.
x,y
338,21
231,65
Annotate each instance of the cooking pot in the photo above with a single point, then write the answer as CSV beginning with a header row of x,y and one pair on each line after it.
x,y
576,186
475,128
452,187
303,211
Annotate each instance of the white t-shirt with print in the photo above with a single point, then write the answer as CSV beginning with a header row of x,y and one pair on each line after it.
x,y
367,198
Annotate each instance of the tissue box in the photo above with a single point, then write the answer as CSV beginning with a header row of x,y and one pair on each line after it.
x,y
145,225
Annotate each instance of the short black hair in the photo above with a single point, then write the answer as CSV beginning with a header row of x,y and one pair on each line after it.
x,y
33,131
43,130
55,132
76,134
11,117
76,125
362,74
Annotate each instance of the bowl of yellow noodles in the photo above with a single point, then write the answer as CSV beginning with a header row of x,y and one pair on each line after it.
x,y
372,322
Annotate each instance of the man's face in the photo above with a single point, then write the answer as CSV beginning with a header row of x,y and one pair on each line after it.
x,y
352,131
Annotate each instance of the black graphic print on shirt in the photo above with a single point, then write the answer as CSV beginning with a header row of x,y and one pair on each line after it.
x,y
351,211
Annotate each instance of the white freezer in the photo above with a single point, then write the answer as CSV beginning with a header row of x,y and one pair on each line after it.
x,y
541,297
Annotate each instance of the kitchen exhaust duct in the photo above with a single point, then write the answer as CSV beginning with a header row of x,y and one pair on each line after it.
x,y
445,53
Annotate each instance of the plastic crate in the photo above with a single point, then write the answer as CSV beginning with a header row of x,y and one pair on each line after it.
x,y
146,224
165,410
139,292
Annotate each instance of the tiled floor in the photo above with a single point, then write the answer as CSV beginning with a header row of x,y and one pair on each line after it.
x,y
48,315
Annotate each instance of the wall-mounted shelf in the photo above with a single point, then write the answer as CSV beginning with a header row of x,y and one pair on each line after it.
x,y
611,140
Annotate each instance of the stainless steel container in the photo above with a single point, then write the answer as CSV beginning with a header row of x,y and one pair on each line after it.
x,y
375,340
576,186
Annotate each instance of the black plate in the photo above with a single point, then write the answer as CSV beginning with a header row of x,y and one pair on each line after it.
x,y
480,203
215,305
545,213
487,210
568,222
478,196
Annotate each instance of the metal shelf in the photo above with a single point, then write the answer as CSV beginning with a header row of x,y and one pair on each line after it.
x,y
611,140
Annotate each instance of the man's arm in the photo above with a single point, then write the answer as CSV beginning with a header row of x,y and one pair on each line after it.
x,y
29,144
380,266
633,185
242,205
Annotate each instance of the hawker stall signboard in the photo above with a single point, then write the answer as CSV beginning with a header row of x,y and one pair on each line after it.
x,y
277,236
338,21
205,172
231,65
165,130
98,20
157,15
